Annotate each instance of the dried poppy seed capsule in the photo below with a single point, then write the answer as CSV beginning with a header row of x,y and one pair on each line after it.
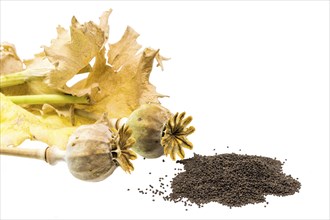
x,y
147,123
157,131
89,154
94,152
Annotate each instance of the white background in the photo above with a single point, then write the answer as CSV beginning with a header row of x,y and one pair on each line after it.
x,y
255,76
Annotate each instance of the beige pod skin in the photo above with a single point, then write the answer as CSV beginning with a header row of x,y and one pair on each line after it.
x,y
147,123
88,153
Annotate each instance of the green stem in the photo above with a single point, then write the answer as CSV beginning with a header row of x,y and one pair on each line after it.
x,y
48,98
18,78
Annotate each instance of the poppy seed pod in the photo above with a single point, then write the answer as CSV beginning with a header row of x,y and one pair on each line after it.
x,y
157,131
89,154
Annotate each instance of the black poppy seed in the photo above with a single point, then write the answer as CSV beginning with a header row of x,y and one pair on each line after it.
x,y
230,179
163,160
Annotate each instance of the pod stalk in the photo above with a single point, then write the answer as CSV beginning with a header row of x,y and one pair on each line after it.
x,y
50,155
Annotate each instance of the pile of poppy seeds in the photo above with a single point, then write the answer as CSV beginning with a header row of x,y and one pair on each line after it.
x,y
230,179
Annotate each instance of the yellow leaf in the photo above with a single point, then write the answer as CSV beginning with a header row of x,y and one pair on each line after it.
x,y
17,125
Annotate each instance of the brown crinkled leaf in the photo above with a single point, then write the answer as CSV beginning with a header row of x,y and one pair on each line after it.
x,y
60,111
104,24
68,55
33,86
38,86
123,85
39,61
160,59
72,51
86,69
124,51
9,61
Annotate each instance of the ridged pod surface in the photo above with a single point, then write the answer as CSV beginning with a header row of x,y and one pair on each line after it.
x,y
88,153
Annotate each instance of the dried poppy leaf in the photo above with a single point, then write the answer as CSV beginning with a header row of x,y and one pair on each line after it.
x,y
9,61
72,51
122,86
